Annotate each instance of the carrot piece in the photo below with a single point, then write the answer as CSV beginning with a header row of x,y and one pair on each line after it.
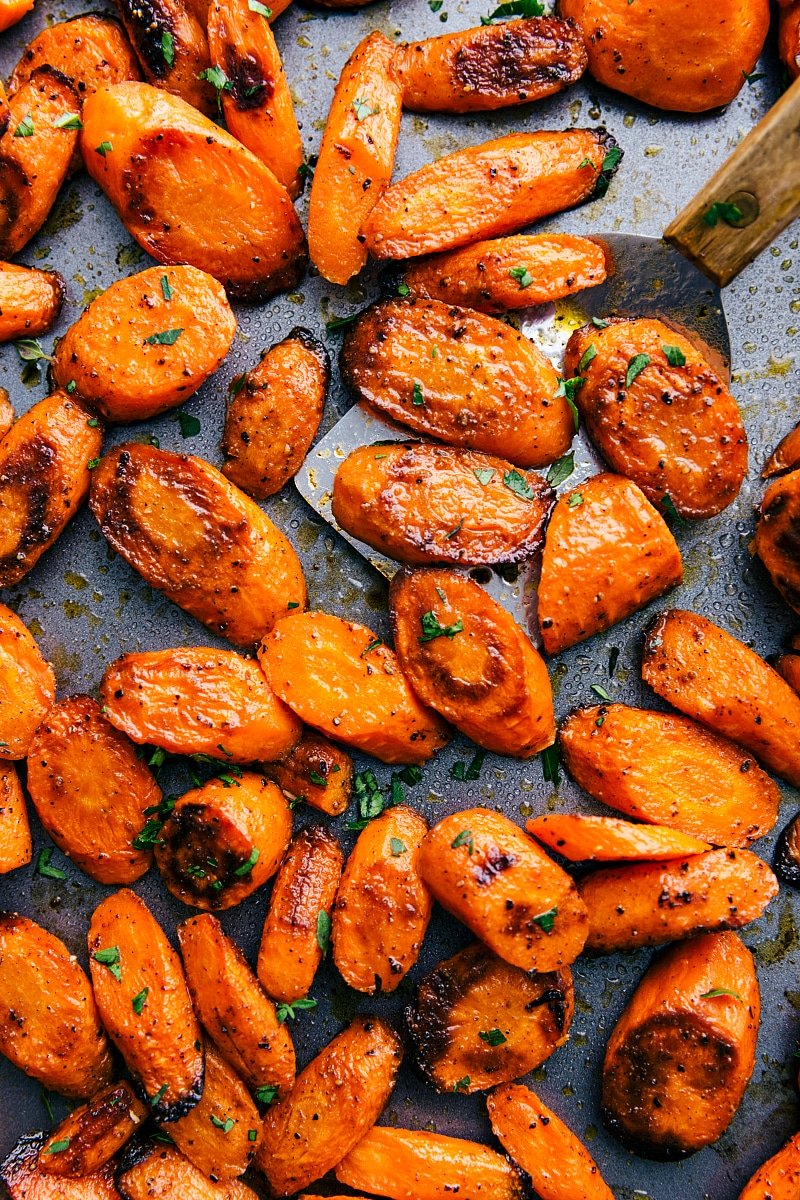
x,y
298,921
162,1173
786,455
255,96
233,1008
340,678
490,67
355,159
145,1005
383,907
49,1025
476,1021
86,1140
346,1087
489,190
91,50
24,1179
27,682
507,273
648,904
559,1165
30,301
421,503
12,11
779,1177
408,1165
682,1053
714,678
172,47
16,846
607,839
220,1135
789,44
483,869
7,415
487,388
668,770
44,479
223,840
315,772
607,554
195,700
788,667
778,517
486,677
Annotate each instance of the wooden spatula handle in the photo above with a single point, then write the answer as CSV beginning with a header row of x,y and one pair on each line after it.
x,y
761,180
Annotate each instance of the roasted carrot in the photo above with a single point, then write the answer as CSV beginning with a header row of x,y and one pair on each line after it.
x,y
648,904
172,47
786,455
297,927
682,1053
255,96
160,1172
346,1087
223,840
558,1164
16,846
668,770
355,159
779,1177
483,869
788,667
340,678
487,387
220,1135
490,67
489,190
714,678
12,11
421,503
24,1178
789,50
195,700
607,554
145,1005
27,682
466,657
86,1140
607,839
7,415
233,1008
408,1165
776,540
49,1023
91,50
507,273
315,772
30,301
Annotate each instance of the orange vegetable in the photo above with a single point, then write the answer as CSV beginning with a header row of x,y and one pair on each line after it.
x,y
316,773
16,846
484,675
667,770
233,1008
49,1024
145,1005
476,1021
779,1177
27,682
90,50
678,55
162,1173
93,1133
789,50
25,1180
346,1087
147,343
340,678
788,667
298,922
648,904
559,1165
490,67
44,479
382,906
355,159
195,700
256,99
197,538
220,1134
272,421
483,869
12,11
30,301
422,503
171,171
683,1051
776,539
712,676
607,554
408,1165
488,388
607,839
506,273
786,455
659,413
223,840
172,46
7,415
488,190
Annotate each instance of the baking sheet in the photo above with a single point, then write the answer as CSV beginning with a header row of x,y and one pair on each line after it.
x,y
86,606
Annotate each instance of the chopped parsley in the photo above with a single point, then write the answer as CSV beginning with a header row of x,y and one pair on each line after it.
x,y
226,1126
561,469
635,367
189,425
43,867
69,121
58,1147
103,149
484,475
720,211
492,1037
25,128
247,867
139,1000
417,398
431,629
547,920
464,772
168,47
464,839
110,959
575,500
286,1011
720,991
397,847
550,759
675,356
167,337
518,484
323,931
522,276
362,108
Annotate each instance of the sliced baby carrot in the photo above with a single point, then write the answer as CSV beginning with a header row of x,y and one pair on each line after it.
x,y
608,839
27,684
16,846
779,1177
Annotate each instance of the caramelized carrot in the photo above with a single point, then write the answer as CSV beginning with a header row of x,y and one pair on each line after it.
x,y
607,839
220,1135
16,846
316,773
24,1178
789,50
30,301
172,47
86,1140
91,50
786,455
779,1177
12,11
27,683
778,520
788,667
160,1172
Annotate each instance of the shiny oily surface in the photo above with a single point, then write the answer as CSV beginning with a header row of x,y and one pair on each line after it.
x,y
86,606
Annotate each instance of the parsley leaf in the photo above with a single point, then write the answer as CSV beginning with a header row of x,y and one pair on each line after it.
x,y
30,350
417,398
69,121
266,1094
635,367
103,149
721,991
58,1147
561,469
247,867
323,931
138,1002
522,276
550,759
110,958
600,691
362,108
25,127
720,211
575,500
670,511
190,426
167,337
517,484
226,1126
168,47
43,867
431,629
589,354
492,1037
464,839
462,1085
397,847
547,920
337,323
675,356
257,7
166,290
464,773
515,8
484,475
285,1011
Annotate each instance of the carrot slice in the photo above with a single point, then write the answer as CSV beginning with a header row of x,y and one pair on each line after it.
x,y
786,455
220,1135
789,46
608,839
778,517
12,11
91,1135
24,1179
16,846
779,1177
316,773
91,50
30,301
161,1172
788,667
27,682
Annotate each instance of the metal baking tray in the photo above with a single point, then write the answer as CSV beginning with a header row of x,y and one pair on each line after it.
x,y
86,606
